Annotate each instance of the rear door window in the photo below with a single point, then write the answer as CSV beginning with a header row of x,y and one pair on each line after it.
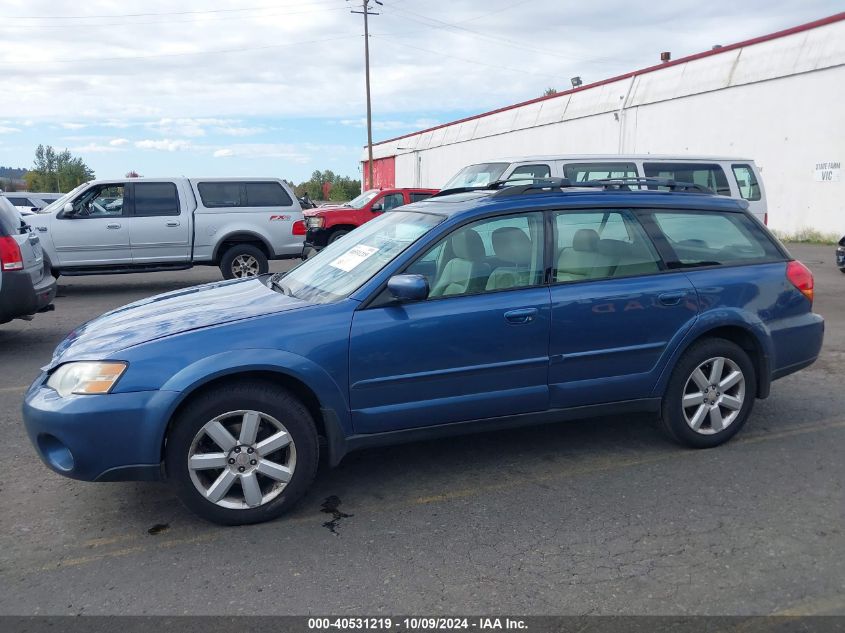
x,y
584,172
392,200
749,188
156,199
710,175
20,202
708,238
417,196
266,194
220,194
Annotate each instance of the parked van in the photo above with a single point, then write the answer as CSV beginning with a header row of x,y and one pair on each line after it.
x,y
734,177
153,224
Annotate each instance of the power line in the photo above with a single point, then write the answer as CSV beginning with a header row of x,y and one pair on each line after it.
x,y
521,71
83,60
136,15
211,18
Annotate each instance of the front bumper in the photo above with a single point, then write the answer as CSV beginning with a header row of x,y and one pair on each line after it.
x,y
19,298
110,437
840,255
317,238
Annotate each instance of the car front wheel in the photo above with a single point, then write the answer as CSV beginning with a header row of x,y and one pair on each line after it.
x,y
242,453
710,394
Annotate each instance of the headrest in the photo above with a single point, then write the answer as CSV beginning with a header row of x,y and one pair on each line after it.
x,y
585,240
467,244
512,245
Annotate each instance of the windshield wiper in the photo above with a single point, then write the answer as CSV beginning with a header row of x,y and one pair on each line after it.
x,y
275,283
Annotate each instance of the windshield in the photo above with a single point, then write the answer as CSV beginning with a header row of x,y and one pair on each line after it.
x,y
345,265
479,175
58,204
361,201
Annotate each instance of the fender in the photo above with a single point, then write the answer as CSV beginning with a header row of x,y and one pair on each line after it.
x,y
219,241
330,396
720,318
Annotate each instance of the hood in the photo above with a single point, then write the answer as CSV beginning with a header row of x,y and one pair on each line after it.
x,y
172,313
320,210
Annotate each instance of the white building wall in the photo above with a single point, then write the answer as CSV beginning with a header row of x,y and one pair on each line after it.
x,y
780,102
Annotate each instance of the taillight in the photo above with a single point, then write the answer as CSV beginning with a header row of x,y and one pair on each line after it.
x,y
766,219
299,227
800,277
10,254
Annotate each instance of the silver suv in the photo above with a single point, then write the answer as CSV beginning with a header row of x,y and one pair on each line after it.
x,y
25,285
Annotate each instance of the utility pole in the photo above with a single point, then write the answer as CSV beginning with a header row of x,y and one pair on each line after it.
x,y
365,11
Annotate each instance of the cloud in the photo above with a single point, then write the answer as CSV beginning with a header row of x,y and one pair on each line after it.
x,y
8,130
73,126
391,125
117,142
94,148
239,131
163,145
223,153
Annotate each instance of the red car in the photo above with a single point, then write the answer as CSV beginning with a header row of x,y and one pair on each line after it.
x,y
327,224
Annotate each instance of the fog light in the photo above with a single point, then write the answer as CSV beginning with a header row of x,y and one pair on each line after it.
x,y
55,452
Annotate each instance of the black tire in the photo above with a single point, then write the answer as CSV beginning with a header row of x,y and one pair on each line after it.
x,y
673,418
237,396
336,235
230,263
842,270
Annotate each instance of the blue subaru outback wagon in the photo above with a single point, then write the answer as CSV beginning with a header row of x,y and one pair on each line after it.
x,y
465,312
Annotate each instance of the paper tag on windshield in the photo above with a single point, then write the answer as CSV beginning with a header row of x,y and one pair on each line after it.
x,y
353,257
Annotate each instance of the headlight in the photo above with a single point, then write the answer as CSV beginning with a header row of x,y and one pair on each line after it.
x,y
85,377
315,222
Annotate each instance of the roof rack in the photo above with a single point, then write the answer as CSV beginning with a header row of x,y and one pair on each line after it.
x,y
607,184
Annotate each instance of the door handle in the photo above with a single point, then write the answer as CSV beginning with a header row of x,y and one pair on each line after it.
x,y
672,298
523,315
172,223
113,226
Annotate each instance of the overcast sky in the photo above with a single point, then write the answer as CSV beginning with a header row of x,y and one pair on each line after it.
x,y
207,87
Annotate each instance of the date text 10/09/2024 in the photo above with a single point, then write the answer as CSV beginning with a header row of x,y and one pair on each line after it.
x,y
417,623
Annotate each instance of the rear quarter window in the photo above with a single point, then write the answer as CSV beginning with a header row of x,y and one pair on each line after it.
x,y
266,194
9,220
711,238
710,175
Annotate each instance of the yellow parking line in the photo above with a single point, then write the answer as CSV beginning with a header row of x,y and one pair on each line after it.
x,y
606,464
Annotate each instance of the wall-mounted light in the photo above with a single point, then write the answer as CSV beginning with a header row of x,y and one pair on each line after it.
x,y
576,81
665,56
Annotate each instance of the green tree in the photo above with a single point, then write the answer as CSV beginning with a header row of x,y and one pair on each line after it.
x,y
343,188
59,172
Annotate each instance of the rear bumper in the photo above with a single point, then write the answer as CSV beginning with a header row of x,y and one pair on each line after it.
x,y
797,344
111,437
19,298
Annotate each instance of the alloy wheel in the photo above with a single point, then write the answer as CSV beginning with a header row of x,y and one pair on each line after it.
x,y
244,266
713,395
242,459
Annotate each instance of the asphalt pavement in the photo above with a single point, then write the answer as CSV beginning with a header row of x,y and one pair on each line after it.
x,y
601,516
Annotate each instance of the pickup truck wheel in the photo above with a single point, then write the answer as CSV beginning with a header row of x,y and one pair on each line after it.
x,y
337,235
243,453
243,260
710,394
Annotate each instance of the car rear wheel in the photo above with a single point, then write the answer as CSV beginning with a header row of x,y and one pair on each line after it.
x,y
243,453
710,394
337,235
243,260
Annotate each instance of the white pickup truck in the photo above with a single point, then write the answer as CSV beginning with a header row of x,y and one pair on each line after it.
x,y
154,224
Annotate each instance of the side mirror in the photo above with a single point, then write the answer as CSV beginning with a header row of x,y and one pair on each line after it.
x,y
408,287
68,208
35,209
378,206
